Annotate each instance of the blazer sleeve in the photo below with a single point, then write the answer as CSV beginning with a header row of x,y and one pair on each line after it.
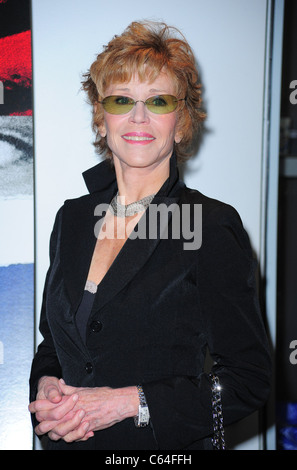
x,y
180,407
45,361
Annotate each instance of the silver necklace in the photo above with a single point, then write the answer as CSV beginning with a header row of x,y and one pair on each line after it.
x,y
122,210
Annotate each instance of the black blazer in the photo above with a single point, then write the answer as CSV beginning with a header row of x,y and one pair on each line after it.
x,y
160,307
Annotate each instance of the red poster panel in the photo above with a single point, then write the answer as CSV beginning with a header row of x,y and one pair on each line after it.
x,y
15,58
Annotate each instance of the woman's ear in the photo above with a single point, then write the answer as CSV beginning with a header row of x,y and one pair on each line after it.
x,y
101,128
178,137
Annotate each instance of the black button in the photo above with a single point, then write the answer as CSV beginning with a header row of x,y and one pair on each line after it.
x,y
88,368
96,326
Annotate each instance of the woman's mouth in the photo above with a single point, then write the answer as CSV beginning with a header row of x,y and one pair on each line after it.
x,y
138,138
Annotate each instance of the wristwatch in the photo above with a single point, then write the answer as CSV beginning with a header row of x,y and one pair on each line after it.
x,y
143,417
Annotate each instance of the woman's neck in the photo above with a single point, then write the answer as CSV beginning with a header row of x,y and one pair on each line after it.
x,y
135,183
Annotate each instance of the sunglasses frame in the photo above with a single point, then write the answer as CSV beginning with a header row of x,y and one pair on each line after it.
x,y
140,101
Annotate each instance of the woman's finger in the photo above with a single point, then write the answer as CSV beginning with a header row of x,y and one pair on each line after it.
x,y
87,436
44,427
78,434
72,429
56,437
40,405
47,411
67,389
61,411
53,393
48,387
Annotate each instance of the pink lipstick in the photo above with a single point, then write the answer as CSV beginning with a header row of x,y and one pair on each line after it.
x,y
140,138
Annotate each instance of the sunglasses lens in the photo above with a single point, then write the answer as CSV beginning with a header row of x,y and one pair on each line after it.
x,y
162,104
117,104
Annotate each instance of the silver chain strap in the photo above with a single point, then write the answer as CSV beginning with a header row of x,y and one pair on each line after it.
x,y
218,440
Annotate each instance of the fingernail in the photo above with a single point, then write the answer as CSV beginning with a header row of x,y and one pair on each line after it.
x,y
81,414
75,397
62,381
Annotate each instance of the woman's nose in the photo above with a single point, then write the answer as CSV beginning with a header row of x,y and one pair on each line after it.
x,y
139,113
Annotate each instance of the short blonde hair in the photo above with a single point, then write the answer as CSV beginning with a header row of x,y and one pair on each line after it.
x,y
145,49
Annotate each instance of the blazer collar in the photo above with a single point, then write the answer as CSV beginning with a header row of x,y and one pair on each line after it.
x,y
78,240
102,176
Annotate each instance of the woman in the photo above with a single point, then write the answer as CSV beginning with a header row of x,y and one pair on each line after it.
x,y
128,314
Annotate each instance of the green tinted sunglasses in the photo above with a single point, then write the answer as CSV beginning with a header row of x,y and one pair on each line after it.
x,y
160,104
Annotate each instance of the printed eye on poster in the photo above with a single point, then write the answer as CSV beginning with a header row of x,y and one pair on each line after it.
x,y
17,224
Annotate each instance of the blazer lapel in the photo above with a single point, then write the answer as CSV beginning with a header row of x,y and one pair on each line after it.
x,y
79,240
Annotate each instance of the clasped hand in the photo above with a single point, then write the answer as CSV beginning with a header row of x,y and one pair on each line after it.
x,y
75,413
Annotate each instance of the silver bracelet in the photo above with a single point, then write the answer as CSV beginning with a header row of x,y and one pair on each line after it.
x,y
143,417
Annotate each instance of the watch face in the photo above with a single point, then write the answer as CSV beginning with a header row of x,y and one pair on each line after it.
x,y
144,415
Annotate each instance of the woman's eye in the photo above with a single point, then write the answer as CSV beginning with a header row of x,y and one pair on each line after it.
x,y
158,101
123,100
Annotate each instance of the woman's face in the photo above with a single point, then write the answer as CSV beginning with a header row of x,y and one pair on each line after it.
x,y
159,131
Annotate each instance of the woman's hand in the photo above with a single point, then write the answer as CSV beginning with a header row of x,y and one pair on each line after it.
x,y
55,412
73,414
104,406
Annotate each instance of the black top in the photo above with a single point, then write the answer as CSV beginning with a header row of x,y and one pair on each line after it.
x,y
83,313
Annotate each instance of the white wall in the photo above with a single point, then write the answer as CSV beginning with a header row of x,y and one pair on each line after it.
x,y
228,38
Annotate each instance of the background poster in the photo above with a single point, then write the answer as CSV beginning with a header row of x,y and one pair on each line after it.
x,y
17,224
